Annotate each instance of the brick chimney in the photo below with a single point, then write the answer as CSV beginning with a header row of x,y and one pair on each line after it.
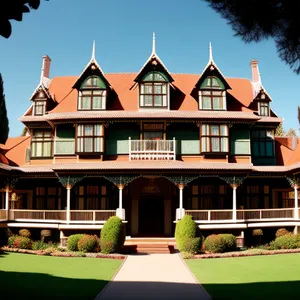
x,y
255,71
46,66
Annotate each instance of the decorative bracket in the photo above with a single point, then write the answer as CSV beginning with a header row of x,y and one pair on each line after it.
x,y
120,181
233,181
182,180
294,181
69,181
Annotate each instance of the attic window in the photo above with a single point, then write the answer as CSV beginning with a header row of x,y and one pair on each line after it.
x,y
39,108
154,91
263,108
212,94
92,94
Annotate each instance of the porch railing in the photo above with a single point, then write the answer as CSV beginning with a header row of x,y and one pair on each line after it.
x,y
3,215
60,216
226,215
152,149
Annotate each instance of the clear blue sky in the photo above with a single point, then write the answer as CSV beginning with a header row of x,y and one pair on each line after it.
x,y
123,30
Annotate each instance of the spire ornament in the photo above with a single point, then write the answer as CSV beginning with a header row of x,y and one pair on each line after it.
x,y
153,43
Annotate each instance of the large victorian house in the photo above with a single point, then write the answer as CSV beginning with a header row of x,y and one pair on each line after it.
x,y
150,147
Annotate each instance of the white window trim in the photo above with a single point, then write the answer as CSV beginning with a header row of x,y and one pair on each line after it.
x,y
91,109
259,106
223,98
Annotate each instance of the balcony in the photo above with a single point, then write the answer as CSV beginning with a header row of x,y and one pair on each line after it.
x,y
60,216
242,215
152,149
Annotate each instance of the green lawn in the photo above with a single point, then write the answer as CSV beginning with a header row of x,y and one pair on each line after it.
x,y
25,276
256,277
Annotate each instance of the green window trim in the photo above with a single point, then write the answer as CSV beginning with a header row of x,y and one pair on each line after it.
x,y
212,82
93,82
155,76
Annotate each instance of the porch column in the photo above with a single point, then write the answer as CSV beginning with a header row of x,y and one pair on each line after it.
x,y
296,209
120,211
68,187
180,210
7,202
234,187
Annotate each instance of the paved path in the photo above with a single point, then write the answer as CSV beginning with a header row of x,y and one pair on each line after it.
x,y
154,276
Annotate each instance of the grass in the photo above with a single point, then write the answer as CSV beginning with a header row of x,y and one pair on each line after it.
x,y
256,277
25,276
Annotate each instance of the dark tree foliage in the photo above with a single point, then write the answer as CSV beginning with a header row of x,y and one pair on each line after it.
x,y
14,10
3,115
255,20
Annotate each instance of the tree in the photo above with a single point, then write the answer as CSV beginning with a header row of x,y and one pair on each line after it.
x,y
4,129
13,10
291,132
279,131
254,20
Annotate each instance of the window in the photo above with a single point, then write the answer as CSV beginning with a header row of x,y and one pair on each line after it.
x,y
91,197
48,198
214,138
263,109
90,138
92,94
154,91
262,143
212,95
39,108
41,144
153,131
257,196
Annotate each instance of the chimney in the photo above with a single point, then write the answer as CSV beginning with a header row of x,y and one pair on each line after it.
x,y
255,71
46,66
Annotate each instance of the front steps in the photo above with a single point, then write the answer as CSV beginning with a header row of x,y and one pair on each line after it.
x,y
150,245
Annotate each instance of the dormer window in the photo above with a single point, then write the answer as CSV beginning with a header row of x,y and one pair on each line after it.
x,y
154,91
92,94
263,109
39,108
212,94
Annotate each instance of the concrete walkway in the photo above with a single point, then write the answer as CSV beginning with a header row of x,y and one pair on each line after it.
x,y
154,276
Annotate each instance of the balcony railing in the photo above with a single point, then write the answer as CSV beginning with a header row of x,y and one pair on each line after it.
x,y
60,216
152,149
64,146
243,215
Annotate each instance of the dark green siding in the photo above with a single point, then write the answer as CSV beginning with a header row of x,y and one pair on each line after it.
x,y
240,141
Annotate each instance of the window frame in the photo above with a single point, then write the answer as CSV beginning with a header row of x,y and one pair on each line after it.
x,y
154,83
38,103
262,141
41,140
92,89
93,136
263,107
210,137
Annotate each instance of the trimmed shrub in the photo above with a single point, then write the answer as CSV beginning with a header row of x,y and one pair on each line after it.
x,y
39,245
230,241
22,242
73,241
287,241
191,245
88,243
45,233
185,230
112,235
25,233
218,243
11,240
281,232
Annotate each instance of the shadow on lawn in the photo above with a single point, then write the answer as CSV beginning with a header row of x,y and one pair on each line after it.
x,y
19,285
289,290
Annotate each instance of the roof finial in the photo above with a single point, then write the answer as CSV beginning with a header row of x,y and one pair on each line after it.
x,y
94,49
153,43
210,52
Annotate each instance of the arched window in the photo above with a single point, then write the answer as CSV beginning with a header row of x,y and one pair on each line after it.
x,y
154,91
92,94
212,94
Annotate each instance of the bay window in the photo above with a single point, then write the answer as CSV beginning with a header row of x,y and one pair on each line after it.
x,y
214,138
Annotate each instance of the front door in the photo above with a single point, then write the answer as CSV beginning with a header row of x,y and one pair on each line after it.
x,y
151,215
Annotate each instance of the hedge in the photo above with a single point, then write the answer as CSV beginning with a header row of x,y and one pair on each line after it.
x,y
73,241
88,243
112,235
219,243
22,242
287,241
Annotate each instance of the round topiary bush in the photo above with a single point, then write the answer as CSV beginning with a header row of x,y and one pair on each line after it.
x,y
88,243
287,241
281,232
186,229
230,241
257,232
45,233
215,243
73,241
191,245
112,235
25,233
22,243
